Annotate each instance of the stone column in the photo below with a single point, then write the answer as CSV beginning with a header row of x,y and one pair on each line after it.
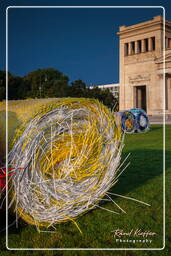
x,y
143,45
136,47
158,95
166,91
169,91
150,44
169,42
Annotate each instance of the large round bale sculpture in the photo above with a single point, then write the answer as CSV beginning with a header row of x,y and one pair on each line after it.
x,y
68,153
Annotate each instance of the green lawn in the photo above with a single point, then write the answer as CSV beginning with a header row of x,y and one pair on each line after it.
x,y
143,180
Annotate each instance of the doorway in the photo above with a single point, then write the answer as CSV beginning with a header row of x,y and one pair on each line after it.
x,y
140,97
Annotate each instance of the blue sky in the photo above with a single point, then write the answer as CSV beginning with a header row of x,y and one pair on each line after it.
x,y
82,43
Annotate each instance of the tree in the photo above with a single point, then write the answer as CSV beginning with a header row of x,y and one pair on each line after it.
x,y
16,88
105,96
78,84
2,84
50,82
46,82
2,93
77,89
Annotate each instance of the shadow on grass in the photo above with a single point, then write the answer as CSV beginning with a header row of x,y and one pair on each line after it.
x,y
144,166
153,128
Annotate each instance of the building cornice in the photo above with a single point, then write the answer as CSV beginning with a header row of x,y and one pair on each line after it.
x,y
156,23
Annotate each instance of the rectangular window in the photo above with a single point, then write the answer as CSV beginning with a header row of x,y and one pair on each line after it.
x,y
132,47
139,46
153,43
126,49
146,44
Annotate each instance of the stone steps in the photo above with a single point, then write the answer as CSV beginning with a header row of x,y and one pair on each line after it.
x,y
158,119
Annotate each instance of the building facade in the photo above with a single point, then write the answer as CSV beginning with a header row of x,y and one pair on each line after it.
x,y
144,79
142,73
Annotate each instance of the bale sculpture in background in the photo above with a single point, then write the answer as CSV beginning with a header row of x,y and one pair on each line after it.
x,y
133,120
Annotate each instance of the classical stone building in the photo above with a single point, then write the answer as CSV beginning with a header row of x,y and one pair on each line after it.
x,y
142,72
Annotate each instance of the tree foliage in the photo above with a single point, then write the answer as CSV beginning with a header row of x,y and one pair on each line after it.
x,y
2,84
49,82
